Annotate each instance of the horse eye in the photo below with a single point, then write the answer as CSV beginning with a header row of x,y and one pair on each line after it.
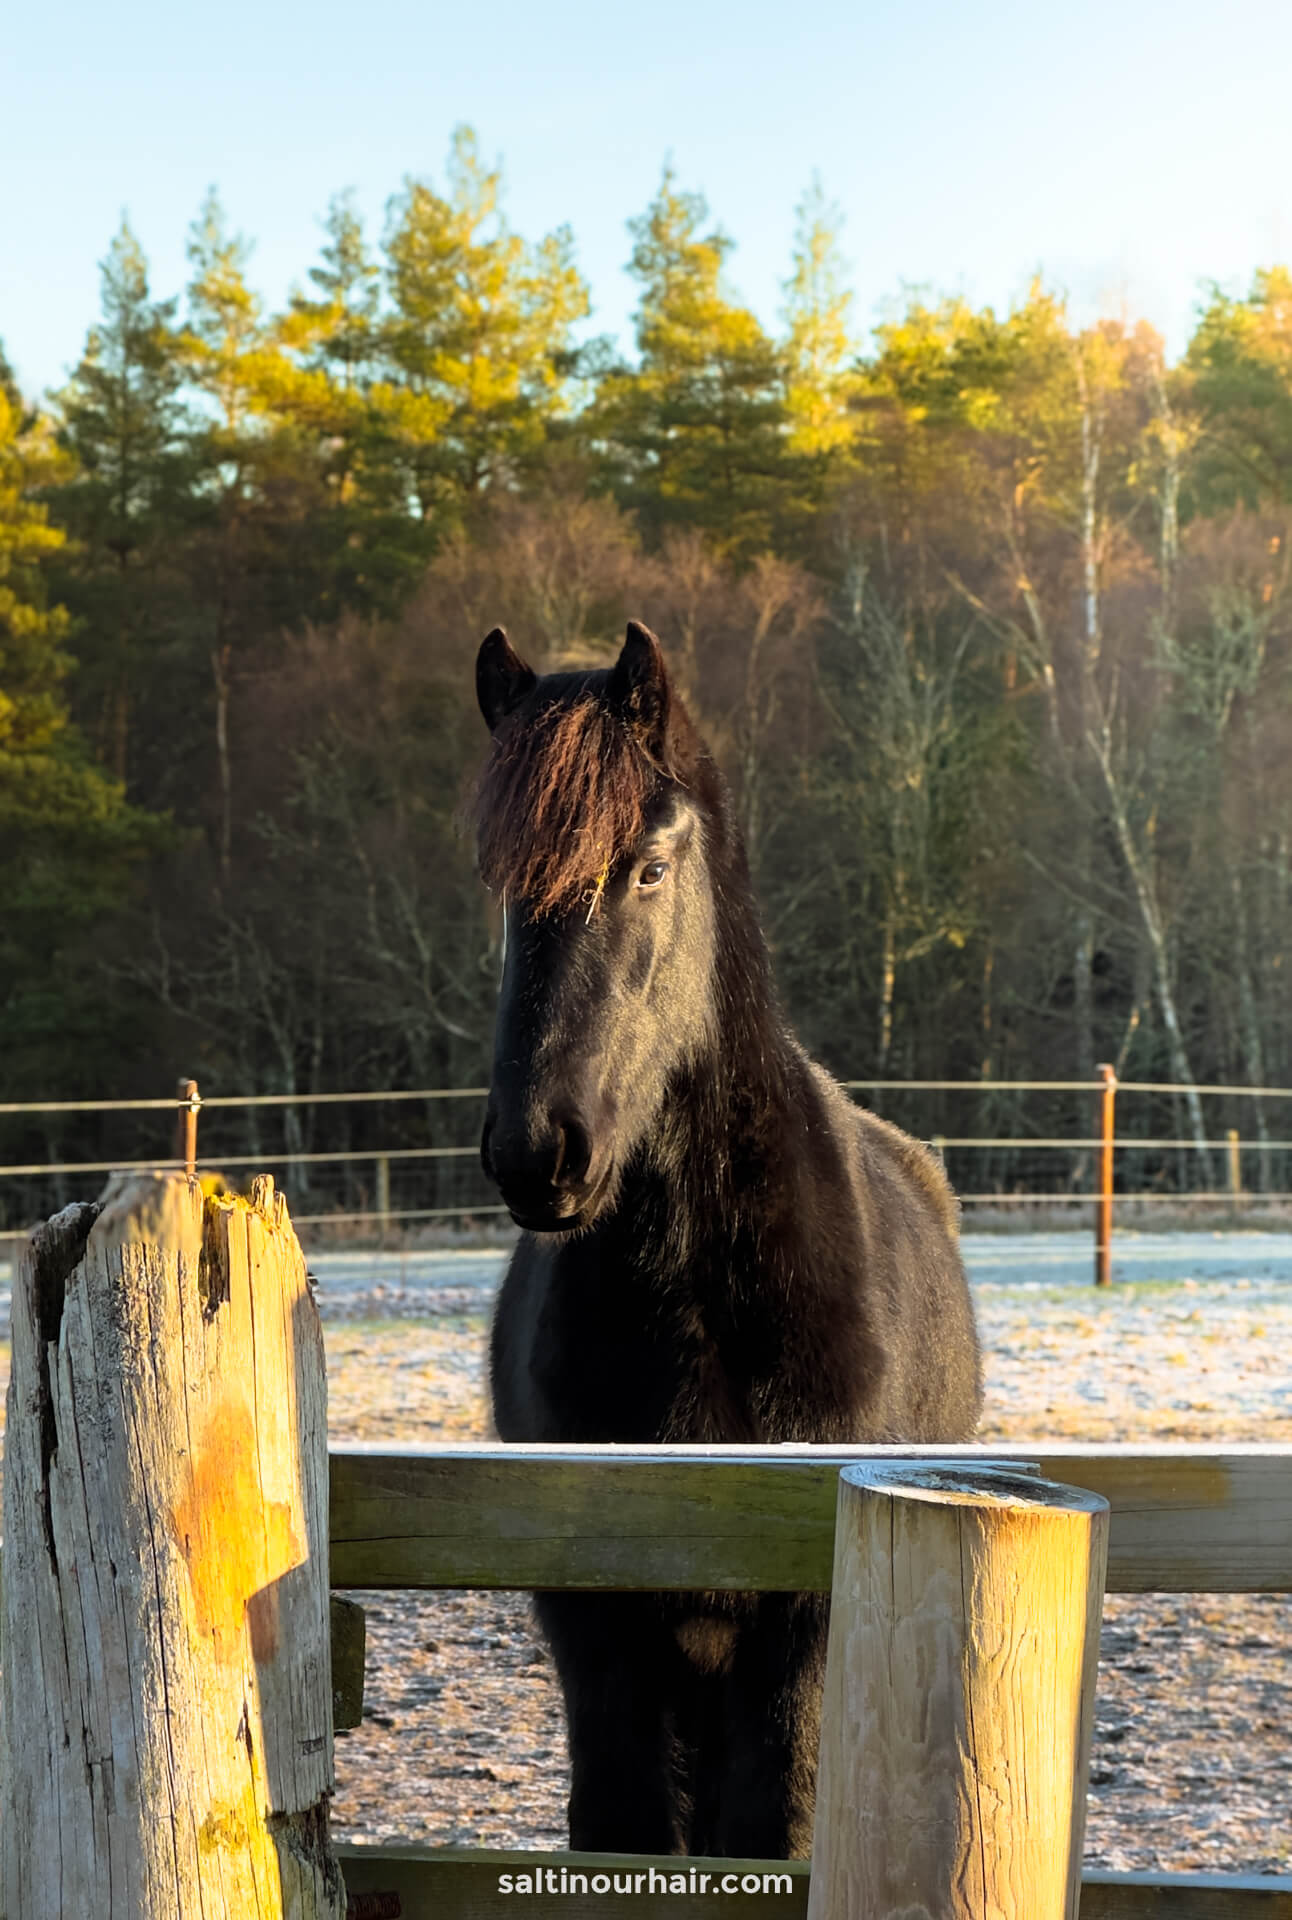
x,y
652,873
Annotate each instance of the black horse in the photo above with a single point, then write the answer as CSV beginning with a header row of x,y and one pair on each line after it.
x,y
717,1244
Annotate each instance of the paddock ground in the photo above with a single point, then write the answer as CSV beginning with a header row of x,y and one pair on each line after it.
x,y
1192,1764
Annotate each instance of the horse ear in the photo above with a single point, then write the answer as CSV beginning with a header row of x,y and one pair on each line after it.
x,y
639,688
502,678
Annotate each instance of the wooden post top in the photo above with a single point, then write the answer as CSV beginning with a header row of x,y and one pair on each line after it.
x,y
955,1484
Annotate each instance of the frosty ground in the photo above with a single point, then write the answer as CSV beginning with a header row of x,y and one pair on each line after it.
x,y
1192,1764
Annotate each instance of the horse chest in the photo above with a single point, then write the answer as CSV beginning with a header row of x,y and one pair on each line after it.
x,y
593,1356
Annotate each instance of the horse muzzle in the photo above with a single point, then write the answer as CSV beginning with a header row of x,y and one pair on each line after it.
x,y
551,1179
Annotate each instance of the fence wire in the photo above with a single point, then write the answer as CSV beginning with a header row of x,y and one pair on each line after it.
x,y
190,1102
199,1103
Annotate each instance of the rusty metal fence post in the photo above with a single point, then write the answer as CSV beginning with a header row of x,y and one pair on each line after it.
x,y
1104,1202
186,1124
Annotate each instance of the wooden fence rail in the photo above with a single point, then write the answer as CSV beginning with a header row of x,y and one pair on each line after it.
x,y
1184,1519
446,1883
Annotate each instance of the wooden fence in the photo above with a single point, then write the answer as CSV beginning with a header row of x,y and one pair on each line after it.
x,y
1183,1519
174,1521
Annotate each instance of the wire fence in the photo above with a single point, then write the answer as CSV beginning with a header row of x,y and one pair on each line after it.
x,y
384,1181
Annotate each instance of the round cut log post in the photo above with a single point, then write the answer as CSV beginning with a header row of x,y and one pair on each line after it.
x,y
167,1732
959,1696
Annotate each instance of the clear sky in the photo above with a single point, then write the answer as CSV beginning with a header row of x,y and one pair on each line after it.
x,y
1127,149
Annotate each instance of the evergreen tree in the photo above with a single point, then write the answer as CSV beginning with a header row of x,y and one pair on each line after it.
x,y
478,341
337,330
369,548
225,342
122,421
67,839
247,559
819,347
32,633
696,433
1240,359
122,412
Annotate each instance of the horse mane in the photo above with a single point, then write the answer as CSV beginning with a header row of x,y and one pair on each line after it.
x,y
561,801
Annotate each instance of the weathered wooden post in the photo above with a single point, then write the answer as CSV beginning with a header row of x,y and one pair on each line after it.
x,y
167,1696
959,1696
1234,1147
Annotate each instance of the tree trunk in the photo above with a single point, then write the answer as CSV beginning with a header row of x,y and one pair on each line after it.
x,y
1091,447
887,987
1249,1019
1150,914
887,984
220,674
167,1674
1169,541
1092,645
295,1146
1083,1015
1279,906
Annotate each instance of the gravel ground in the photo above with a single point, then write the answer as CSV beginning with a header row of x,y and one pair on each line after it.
x,y
1192,1766
463,1741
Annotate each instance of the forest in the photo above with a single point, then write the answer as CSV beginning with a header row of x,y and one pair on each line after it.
x,y
988,617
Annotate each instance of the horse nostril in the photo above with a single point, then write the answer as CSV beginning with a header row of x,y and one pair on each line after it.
x,y
573,1152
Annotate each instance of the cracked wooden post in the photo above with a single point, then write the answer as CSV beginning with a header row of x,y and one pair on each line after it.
x,y
959,1696
167,1692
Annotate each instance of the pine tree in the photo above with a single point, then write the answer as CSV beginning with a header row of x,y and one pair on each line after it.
x,y
369,548
479,335
33,660
252,493
225,340
1240,358
337,330
122,412
122,421
820,350
67,839
696,433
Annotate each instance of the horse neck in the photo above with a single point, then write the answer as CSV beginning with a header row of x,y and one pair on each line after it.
x,y
742,1088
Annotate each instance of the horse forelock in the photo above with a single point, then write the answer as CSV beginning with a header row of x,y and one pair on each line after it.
x,y
562,799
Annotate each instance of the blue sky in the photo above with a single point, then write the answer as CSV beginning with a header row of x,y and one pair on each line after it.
x,y
1127,151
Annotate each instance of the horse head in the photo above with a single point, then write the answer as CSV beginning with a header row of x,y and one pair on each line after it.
x,y
593,817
